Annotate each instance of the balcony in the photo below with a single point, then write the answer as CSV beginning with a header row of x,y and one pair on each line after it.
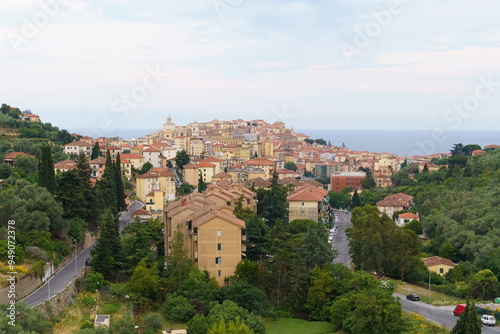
x,y
195,237
243,248
243,237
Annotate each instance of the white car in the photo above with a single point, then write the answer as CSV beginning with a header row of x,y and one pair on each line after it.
x,y
488,320
330,239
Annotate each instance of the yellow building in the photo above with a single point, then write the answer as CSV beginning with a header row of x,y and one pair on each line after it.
x,y
126,168
212,234
192,173
197,147
438,264
242,152
265,164
159,179
268,148
183,142
155,201
306,203
136,160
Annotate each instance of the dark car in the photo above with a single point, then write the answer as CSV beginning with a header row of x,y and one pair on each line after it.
x,y
413,296
87,262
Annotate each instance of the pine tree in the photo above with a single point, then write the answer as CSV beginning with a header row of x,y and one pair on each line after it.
x,y
426,168
106,187
46,175
83,169
469,322
107,248
96,151
275,202
120,192
355,201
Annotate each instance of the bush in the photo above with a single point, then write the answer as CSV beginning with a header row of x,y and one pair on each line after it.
x,y
178,308
36,253
197,325
94,281
86,324
153,322
38,269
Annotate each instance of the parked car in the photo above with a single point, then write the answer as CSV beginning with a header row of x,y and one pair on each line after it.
x,y
488,320
459,309
413,296
330,239
87,262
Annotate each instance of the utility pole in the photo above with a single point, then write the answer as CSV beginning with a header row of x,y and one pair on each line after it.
x,y
76,260
429,286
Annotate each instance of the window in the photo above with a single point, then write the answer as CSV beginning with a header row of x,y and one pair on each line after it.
x,y
219,273
302,203
218,260
219,247
441,270
302,212
218,233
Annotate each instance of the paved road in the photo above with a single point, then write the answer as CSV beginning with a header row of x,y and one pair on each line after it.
x,y
441,315
64,276
340,243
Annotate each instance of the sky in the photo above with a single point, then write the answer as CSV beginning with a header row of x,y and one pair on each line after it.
x,y
339,64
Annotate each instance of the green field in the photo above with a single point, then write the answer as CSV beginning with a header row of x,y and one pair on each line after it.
x,y
297,326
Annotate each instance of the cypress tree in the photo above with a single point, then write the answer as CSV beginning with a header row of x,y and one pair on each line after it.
x,y
107,249
46,174
201,184
469,321
83,169
120,192
107,187
355,201
96,151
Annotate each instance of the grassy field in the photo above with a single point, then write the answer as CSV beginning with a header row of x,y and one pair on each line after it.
x,y
437,298
297,326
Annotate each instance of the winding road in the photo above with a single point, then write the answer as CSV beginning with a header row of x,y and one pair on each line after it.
x,y
64,276
440,315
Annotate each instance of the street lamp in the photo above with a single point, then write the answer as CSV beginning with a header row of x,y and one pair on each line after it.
x,y
429,286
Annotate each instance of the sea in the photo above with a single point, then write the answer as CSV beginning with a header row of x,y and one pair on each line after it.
x,y
400,142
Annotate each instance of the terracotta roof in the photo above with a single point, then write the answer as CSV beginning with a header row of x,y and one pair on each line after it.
x,y
65,164
152,149
408,215
398,199
217,213
13,155
436,260
129,156
140,212
204,164
78,143
259,162
212,160
260,182
307,194
222,175
98,161
190,166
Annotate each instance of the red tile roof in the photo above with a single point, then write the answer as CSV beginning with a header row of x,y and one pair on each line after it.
x,y
436,260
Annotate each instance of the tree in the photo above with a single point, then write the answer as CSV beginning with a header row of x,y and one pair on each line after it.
x,y
185,189
182,159
368,182
146,167
245,295
355,201
120,191
153,322
197,325
273,205
96,151
202,186
143,281
70,193
104,254
5,171
46,175
469,321
178,308
315,251
94,281
106,188
290,165
416,226
484,283
320,141
136,245
258,238
426,168
25,164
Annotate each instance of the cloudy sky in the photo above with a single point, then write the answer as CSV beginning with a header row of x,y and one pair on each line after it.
x,y
341,64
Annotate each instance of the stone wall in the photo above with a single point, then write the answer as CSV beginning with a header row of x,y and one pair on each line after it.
x,y
28,284
63,298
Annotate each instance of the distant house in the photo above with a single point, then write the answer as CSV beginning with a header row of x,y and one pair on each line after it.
x,y
306,202
64,166
438,264
97,167
78,146
142,214
430,167
478,152
394,203
30,118
102,320
10,157
407,217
